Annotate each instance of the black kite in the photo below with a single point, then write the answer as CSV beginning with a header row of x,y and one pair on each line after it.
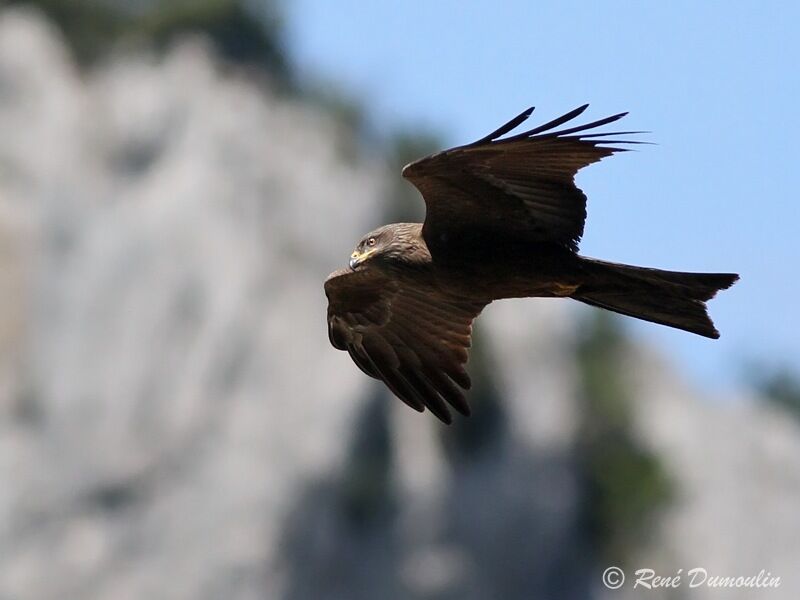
x,y
503,220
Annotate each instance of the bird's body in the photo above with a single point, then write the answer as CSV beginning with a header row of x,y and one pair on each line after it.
x,y
488,267
503,221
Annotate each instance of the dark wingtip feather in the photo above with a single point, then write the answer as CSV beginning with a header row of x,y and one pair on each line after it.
x,y
550,124
448,389
606,133
592,125
444,417
429,395
463,379
505,128
597,142
462,408
545,131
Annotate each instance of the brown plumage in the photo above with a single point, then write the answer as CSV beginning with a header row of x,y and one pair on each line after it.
x,y
503,220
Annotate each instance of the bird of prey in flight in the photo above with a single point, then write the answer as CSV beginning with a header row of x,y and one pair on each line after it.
x,y
503,220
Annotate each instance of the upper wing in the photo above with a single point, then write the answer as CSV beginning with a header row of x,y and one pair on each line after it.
x,y
521,185
406,333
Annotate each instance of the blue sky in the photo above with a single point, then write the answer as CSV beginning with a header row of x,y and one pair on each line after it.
x,y
716,83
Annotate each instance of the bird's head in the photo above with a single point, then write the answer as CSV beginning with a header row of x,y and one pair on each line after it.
x,y
387,242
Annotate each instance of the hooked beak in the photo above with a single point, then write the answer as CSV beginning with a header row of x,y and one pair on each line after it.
x,y
357,258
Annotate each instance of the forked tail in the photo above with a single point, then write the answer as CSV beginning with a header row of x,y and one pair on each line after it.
x,y
666,297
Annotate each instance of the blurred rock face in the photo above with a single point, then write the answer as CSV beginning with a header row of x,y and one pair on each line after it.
x,y
163,237
174,423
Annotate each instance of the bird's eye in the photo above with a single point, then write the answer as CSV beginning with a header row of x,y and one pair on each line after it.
x,y
371,242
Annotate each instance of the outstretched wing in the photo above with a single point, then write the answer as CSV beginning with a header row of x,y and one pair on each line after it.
x,y
522,185
405,333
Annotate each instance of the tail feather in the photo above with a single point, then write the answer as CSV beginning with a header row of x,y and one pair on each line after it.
x,y
670,298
